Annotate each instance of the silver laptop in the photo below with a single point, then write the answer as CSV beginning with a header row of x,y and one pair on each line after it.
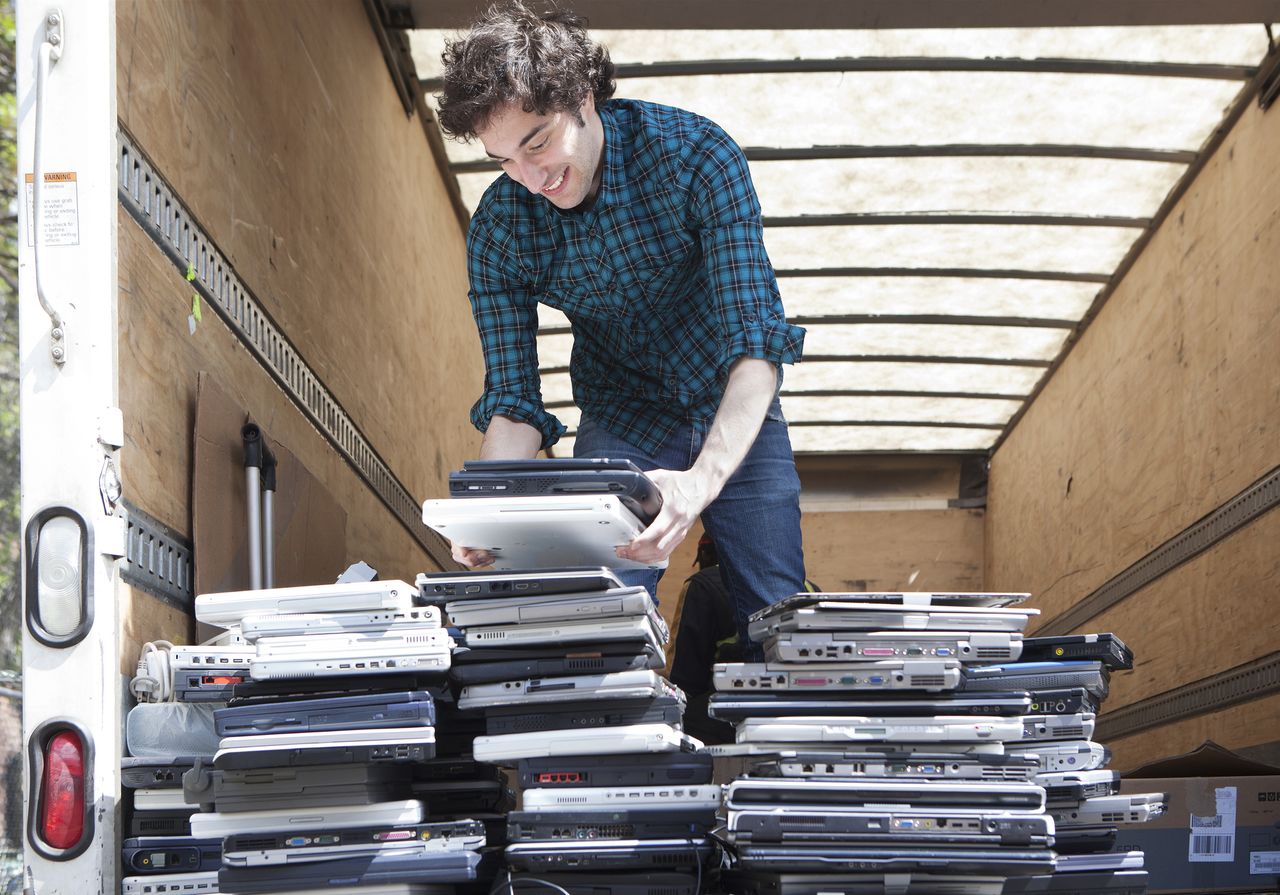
x,y
1039,728
627,601
884,674
836,730
849,616
533,532
228,608
853,646
836,796
639,627
403,637
621,798
299,624
784,750
639,684
621,741
261,745
216,825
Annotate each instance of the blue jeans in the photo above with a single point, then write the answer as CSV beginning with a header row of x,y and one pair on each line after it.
x,y
755,522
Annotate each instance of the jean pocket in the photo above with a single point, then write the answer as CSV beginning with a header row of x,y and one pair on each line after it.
x,y
775,411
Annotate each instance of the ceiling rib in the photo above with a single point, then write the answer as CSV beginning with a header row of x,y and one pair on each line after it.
x,y
949,150
887,359
861,219
878,14
695,68
945,319
859,393
704,67
964,272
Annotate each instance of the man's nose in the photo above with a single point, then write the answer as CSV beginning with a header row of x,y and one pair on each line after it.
x,y
532,176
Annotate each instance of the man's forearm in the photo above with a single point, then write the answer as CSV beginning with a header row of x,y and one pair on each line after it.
x,y
747,396
508,439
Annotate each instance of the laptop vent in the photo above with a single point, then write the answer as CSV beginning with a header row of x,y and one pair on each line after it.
x,y
584,664
992,652
609,831
1004,774
257,844
676,860
1071,733
532,486
488,635
661,891
928,680
803,825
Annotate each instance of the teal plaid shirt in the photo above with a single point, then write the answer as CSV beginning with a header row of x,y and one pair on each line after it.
x,y
664,279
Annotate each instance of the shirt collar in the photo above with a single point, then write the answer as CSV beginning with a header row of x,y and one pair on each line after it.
x,y
613,175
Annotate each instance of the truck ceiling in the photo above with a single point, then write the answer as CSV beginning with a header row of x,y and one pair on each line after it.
x,y
947,208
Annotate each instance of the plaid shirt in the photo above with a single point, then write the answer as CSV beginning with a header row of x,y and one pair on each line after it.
x,y
664,279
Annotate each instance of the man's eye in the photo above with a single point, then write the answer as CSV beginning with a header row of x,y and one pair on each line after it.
x,y
541,146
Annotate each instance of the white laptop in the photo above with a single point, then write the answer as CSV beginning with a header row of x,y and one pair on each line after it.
x,y
204,882
626,601
631,739
837,753
637,627
1068,755
1129,808
638,684
622,798
351,660
884,674
228,608
1058,727
414,638
297,624
537,532
835,730
217,825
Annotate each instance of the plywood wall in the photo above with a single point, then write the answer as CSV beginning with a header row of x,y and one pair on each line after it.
x,y
278,124
869,550
1168,406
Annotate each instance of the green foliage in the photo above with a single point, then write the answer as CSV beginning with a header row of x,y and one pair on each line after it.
x,y
10,511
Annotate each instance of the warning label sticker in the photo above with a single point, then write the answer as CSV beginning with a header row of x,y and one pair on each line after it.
x,y
61,209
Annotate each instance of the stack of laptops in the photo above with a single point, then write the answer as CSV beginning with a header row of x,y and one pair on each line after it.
x,y
869,768
326,771
1068,679
562,664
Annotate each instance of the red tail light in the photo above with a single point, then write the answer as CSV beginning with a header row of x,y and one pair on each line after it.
x,y
62,801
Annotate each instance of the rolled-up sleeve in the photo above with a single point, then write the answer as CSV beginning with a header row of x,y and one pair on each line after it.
x,y
743,285
506,316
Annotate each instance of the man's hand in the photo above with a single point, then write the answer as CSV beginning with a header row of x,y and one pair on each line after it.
x,y
505,439
471,557
684,496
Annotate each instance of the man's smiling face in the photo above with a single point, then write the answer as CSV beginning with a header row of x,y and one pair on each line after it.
x,y
552,155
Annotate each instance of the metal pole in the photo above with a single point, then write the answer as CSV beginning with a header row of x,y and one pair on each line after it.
x,y
268,518
253,500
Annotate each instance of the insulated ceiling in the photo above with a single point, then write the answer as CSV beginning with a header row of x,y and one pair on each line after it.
x,y
943,207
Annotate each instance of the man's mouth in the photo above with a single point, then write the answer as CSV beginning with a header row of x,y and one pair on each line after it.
x,y
556,185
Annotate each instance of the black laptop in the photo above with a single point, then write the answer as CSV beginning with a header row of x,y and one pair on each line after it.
x,y
559,477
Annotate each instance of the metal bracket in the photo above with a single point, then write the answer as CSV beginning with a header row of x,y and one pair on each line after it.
x,y
157,559
1236,513
1236,685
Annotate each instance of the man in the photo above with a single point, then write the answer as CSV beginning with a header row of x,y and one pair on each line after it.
x,y
640,222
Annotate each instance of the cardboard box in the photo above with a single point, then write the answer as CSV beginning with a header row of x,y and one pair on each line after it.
x,y
1221,829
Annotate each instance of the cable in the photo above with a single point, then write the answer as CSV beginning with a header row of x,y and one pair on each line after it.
x,y
153,681
511,884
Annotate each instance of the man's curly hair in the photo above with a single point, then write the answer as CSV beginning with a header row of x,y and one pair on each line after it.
x,y
544,61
